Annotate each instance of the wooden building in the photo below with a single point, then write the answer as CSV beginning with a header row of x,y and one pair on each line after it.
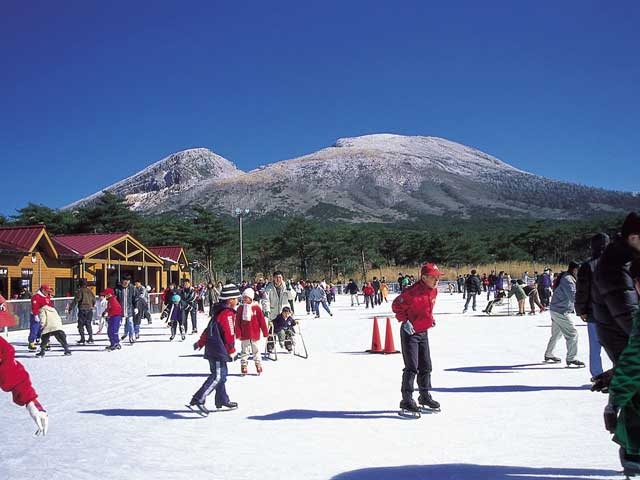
x,y
104,258
175,261
30,257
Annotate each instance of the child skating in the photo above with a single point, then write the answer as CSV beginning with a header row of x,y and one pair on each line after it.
x,y
250,323
114,318
218,341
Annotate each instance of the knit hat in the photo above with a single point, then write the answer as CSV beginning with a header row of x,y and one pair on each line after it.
x,y
573,265
229,291
248,292
631,225
46,288
107,291
430,270
176,298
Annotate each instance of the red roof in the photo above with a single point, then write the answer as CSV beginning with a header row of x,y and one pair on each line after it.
x,y
19,239
168,252
85,243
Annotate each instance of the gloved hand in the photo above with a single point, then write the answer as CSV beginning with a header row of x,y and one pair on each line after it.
x,y
584,317
195,346
610,417
602,381
233,357
266,313
135,311
408,327
39,415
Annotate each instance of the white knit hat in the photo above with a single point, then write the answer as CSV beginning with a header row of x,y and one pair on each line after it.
x,y
249,292
229,291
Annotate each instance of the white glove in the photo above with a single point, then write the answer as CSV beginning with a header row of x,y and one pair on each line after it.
x,y
408,327
39,415
135,311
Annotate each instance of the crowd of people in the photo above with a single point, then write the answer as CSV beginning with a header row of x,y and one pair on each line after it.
x,y
603,291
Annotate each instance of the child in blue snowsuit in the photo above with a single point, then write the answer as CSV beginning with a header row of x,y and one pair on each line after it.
x,y
283,328
175,317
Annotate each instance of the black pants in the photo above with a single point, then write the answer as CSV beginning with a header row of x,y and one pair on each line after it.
x,y
60,336
194,319
417,362
84,321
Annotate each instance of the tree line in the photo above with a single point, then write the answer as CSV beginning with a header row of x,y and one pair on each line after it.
x,y
304,247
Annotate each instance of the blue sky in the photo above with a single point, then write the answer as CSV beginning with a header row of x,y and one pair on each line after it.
x,y
92,92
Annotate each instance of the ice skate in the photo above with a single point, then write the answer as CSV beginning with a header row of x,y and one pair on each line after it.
x,y
428,404
575,364
409,409
32,347
243,370
259,368
227,406
551,359
198,407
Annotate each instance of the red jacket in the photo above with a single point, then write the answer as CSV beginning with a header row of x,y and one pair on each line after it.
x,y
38,301
250,330
368,289
13,377
225,321
113,307
416,304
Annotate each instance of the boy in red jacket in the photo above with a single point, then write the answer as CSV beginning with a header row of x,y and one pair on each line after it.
x,y
249,323
414,308
114,318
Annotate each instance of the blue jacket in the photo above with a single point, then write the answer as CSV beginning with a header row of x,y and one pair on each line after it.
x,y
215,348
279,323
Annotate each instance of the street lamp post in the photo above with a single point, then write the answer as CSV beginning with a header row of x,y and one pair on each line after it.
x,y
241,213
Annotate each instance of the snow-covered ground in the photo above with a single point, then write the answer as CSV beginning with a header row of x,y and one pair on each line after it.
x,y
121,415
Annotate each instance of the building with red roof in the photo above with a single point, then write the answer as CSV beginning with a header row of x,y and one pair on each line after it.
x,y
30,257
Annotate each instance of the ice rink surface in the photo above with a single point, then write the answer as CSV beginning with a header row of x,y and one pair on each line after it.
x,y
505,414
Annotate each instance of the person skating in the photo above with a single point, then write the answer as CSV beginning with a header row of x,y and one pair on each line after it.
x,y
284,330
114,318
51,325
561,306
218,341
585,293
249,323
40,299
473,287
189,306
414,309
624,393
15,379
175,317
519,293
86,301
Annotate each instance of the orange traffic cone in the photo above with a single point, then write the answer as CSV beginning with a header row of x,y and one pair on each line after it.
x,y
388,339
376,344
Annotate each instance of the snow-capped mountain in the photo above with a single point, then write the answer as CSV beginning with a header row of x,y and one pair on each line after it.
x,y
372,178
168,178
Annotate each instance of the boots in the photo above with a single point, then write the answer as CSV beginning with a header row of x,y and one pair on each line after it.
x,y
258,368
243,369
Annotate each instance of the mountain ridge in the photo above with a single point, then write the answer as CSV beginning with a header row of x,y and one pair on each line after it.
x,y
370,178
